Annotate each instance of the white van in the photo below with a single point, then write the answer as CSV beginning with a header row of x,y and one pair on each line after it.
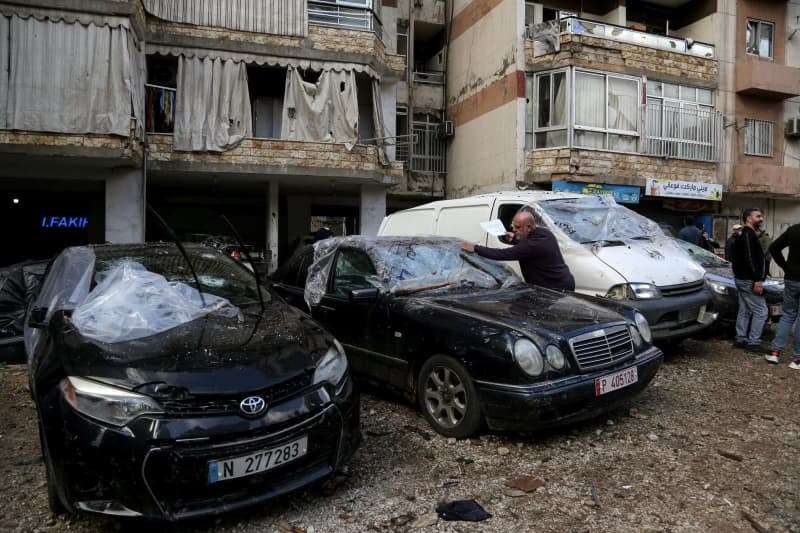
x,y
611,251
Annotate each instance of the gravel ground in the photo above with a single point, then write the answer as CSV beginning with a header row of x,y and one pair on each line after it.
x,y
711,445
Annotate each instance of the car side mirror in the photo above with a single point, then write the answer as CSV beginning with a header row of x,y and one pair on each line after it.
x,y
37,318
364,295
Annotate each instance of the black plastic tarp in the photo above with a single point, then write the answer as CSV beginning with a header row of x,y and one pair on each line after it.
x,y
19,285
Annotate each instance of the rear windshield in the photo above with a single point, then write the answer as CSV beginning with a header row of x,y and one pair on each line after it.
x,y
591,219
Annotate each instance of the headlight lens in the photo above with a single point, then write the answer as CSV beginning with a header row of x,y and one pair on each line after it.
x,y
528,357
643,327
555,357
634,291
717,287
332,366
107,404
636,337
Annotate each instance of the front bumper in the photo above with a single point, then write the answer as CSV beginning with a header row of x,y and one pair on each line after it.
x,y
157,468
564,401
675,317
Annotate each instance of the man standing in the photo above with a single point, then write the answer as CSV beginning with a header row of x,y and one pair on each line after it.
x,y
791,294
690,232
537,251
747,259
735,229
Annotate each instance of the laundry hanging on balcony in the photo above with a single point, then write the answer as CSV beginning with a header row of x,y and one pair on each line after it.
x,y
277,17
324,111
69,72
212,108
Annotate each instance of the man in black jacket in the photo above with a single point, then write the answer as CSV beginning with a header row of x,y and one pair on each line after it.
x,y
747,260
791,294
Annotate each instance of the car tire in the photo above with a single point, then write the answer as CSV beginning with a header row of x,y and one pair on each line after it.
x,y
448,398
53,499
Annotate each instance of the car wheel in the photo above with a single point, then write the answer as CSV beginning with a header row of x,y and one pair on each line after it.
x,y
448,398
53,499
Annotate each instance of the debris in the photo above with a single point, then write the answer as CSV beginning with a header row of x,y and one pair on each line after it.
x,y
451,440
503,451
595,497
515,493
730,455
755,523
447,484
525,483
286,527
426,520
467,510
401,520
414,429
465,460
373,433
653,437
627,487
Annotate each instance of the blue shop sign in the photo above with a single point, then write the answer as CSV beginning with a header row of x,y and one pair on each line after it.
x,y
621,193
65,222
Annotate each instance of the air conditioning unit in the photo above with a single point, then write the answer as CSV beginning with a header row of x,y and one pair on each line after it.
x,y
448,129
792,128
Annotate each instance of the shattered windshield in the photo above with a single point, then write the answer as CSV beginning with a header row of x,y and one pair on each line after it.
x,y
592,219
701,255
218,274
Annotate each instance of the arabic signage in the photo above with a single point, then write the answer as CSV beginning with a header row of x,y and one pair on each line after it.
x,y
684,189
621,193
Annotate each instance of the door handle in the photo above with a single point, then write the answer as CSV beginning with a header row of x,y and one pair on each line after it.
x,y
326,308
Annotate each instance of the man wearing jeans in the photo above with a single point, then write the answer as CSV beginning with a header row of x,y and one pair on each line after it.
x,y
747,260
791,294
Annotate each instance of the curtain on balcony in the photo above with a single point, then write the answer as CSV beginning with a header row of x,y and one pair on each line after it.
x,y
68,75
380,125
278,17
324,111
212,109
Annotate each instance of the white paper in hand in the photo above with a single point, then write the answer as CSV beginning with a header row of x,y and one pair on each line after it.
x,y
494,227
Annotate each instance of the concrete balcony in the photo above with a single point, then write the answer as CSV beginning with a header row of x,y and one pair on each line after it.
x,y
602,46
427,11
765,178
252,159
428,92
766,79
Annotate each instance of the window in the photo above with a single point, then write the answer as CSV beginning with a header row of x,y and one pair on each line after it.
x,y
758,137
606,111
546,110
681,122
353,267
758,38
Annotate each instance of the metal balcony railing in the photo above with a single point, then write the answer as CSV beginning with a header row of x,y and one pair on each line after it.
x,y
344,15
430,77
683,133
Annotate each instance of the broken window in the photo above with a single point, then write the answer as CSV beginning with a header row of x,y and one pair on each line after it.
x,y
758,38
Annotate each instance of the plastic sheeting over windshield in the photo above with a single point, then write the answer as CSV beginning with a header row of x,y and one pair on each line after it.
x,y
404,265
131,302
597,219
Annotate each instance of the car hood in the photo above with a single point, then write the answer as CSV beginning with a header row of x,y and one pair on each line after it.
x,y
210,355
530,309
720,273
661,263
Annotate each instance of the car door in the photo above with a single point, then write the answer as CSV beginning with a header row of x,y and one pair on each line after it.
x,y
364,327
290,281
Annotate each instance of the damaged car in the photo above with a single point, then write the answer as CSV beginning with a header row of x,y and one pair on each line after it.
x,y
465,338
170,384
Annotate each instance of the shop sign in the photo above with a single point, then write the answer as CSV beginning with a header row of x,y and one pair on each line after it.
x,y
65,222
684,189
621,193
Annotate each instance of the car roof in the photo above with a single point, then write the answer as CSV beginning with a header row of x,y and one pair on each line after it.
x,y
523,196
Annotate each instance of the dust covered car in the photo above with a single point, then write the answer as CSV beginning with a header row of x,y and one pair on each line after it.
x,y
173,386
465,338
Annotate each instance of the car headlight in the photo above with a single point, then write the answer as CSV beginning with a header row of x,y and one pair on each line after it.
x,y
528,357
332,366
107,404
643,327
634,291
555,357
717,287
636,337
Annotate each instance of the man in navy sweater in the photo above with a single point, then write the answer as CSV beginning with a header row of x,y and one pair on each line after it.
x,y
791,294
537,251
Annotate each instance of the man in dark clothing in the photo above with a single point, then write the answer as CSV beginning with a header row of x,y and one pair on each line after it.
x,y
735,229
690,232
537,251
791,294
747,260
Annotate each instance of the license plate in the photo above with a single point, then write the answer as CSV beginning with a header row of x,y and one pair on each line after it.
x,y
247,465
685,315
775,310
615,381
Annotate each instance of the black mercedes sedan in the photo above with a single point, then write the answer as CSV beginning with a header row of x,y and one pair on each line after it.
x,y
465,338
170,385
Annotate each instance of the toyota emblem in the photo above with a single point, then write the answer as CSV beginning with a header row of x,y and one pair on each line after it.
x,y
252,405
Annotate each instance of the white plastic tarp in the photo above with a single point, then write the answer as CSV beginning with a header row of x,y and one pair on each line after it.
x,y
130,302
324,111
212,109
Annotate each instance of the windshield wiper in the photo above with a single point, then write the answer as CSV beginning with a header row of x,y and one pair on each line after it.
x,y
249,260
605,242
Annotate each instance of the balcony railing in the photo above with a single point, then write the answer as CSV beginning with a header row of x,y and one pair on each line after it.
x,y
343,15
603,30
683,133
159,108
428,148
431,77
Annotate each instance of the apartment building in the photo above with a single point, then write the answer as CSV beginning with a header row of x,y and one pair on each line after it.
x,y
672,106
275,114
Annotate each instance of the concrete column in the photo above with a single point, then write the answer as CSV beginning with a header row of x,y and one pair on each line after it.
x,y
373,209
272,226
298,217
124,206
